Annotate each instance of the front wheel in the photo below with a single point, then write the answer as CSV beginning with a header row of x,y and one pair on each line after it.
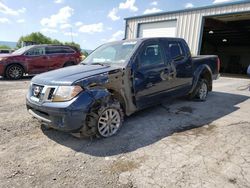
x,y
14,72
106,120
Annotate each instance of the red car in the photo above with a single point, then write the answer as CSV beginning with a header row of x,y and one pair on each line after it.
x,y
36,59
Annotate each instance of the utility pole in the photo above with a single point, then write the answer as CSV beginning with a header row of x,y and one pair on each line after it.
x,y
71,35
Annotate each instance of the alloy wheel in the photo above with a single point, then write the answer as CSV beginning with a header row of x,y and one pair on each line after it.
x,y
109,122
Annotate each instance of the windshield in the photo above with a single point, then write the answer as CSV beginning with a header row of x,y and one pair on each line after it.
x,y
21,50
111,53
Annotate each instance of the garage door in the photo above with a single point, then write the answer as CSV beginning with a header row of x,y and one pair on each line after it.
x,y
158,29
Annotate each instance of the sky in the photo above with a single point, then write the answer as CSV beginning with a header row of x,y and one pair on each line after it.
x,y
88,22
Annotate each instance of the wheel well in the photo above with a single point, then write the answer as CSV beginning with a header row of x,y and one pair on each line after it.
x,y
119,97
207,76
12,65
71,62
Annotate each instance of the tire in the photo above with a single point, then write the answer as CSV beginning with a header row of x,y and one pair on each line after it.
x,y
202,90
68,64
197,93
104,120
14,72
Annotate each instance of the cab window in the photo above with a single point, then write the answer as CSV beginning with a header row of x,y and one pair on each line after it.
x,y
151,55
176,50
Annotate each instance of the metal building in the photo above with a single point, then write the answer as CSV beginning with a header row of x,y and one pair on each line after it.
x,y
222,29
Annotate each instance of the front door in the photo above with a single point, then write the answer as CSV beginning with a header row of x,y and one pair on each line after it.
x,y
151,75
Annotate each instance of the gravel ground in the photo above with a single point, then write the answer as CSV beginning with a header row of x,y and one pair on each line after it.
x,y
177,144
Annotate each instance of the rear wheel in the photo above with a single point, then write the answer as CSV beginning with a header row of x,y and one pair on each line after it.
x,y
68,64
14,72
202,90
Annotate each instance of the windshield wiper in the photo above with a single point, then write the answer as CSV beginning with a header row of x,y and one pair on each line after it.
x,y
97,63
102,64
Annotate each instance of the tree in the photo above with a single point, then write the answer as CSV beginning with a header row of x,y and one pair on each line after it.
x,y
73,44
85,53
39,38
4,47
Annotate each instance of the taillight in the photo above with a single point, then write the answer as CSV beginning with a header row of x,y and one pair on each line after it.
x,y
218,64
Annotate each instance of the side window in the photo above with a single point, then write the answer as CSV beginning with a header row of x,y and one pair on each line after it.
x,y
151,55
54,50
176,51
68,50
36,51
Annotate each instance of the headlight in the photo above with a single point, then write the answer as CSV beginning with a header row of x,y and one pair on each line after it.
x,y
66,93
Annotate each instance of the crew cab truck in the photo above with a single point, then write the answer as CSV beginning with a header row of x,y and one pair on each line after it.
x,y
118,79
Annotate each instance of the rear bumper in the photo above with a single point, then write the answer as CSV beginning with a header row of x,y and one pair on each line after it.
x,y
64,116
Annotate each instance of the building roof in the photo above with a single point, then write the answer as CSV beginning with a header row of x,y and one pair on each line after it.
x,y
190,9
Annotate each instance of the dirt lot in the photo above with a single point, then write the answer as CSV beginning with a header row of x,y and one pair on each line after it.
x,y
177,144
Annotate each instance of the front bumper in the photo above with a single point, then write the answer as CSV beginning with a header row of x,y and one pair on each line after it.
x,y
65,116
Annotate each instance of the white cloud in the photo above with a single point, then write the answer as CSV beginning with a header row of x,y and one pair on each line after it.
x,y
116,36
62,17
58,1
22,10
189,5
20,21
70,34
112,14
152,10
78,24
6,10
91,28
222,1
154,3
65,26
48,30
4,20
129,4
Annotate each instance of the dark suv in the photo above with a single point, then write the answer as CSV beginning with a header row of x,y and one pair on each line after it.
x,y
36,59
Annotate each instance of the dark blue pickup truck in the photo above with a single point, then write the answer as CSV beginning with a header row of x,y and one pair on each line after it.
x,y
118,79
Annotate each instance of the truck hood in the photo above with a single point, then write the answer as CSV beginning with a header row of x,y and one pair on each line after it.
x,y
69,75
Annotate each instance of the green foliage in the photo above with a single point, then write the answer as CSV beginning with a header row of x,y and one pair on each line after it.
x,y
39,38
73,44
4,47
85,53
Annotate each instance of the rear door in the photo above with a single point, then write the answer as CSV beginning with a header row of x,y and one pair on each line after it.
x,y
181,59
151,75
56,57
36,60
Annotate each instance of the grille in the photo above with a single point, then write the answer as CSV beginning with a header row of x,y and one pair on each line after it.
x,y
41,93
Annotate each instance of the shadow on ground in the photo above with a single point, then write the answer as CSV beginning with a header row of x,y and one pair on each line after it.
x,y
153,124
25,78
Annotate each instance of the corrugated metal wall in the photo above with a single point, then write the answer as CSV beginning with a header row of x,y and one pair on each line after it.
x,y
188,23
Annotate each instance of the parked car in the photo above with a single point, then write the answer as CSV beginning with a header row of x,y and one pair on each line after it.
x,y
119,79
6,51
36,59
